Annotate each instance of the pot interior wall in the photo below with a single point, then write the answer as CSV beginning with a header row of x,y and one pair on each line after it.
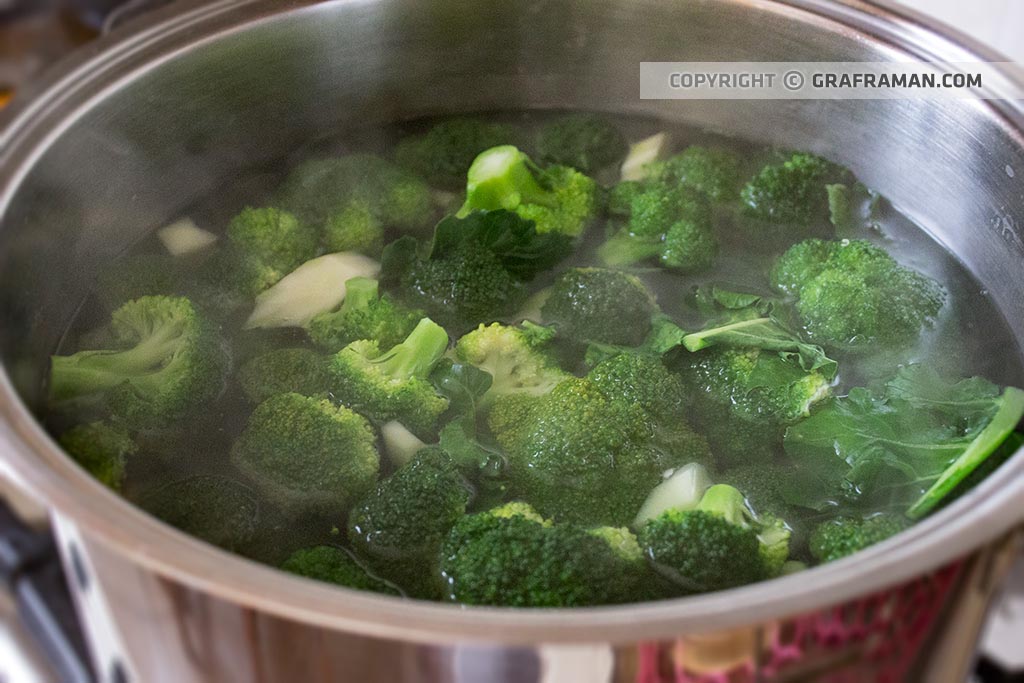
x,y
168,133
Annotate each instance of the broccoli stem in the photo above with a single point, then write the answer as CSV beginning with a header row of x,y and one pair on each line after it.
x,y
360,292
1009,414
89,372
417,355
725,501
704,338
623,249
503,178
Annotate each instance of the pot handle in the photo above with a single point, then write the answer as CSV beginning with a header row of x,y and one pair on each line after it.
x,y
30,570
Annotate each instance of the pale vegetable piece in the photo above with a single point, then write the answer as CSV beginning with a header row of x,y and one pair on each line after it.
x,y
643,153
315,287
400,444
681,490
185,237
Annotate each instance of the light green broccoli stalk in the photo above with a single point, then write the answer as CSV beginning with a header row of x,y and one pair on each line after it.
x,y
558,199
166,360
307,455
392,384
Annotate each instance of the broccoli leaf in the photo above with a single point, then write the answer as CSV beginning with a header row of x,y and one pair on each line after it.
x,y
909,443
462,384
749,327
513,240
664,336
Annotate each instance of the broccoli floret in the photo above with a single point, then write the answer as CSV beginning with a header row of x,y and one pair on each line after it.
x,y
714,172
399,526
307,455
354,227
512,357
583,141
620,198
672,224
743,398
218,510
282,371
763,486
601,305
273,238
392,384
514,560
578,455
854,296
715,546
363,315
167,360
461,288
335,565
138,275
558,199
102,449
792,192
320,189
644,381
844,536
444,154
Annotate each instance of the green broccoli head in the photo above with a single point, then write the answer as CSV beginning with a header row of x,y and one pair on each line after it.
x,y
282,371
600,305
102,449
273,238
717,545
854,296
513,359
331,564
461,288
166,361
218,510
743,398
392,384
319,190
363,315
399,526
620,197
578,455
714,172
557,199
445,152
582,141
307,454
356,226
514,560
844,536
672,224
792,192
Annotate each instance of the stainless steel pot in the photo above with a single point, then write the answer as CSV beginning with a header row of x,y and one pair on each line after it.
x,y
147,121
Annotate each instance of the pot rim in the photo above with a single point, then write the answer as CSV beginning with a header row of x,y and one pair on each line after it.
x,y
33,461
